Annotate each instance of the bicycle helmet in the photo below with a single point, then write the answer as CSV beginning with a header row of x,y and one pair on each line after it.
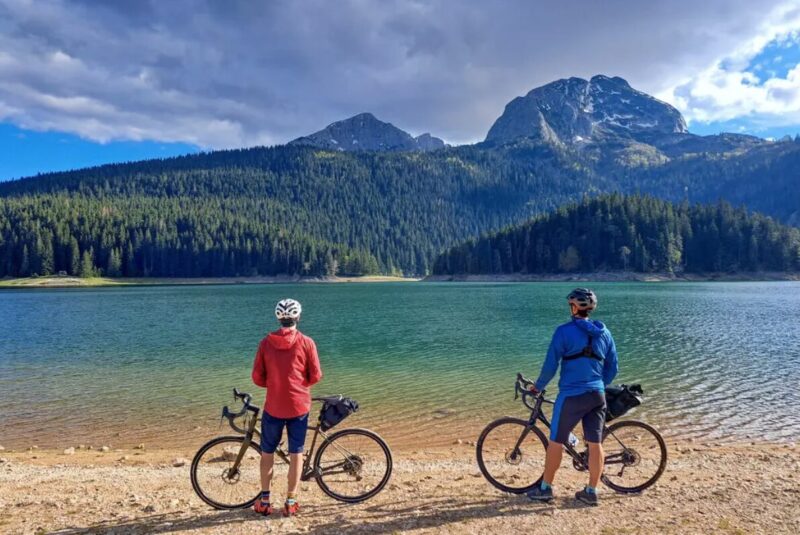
x,y
288,309
582,300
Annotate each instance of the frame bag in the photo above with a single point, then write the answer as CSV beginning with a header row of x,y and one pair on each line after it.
x,y
333,412
620,399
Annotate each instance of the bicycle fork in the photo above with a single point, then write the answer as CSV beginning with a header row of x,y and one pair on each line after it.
x,y
248,437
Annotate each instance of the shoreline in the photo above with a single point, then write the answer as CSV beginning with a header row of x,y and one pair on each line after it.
x,y
621,276
60,282
100,282
431,491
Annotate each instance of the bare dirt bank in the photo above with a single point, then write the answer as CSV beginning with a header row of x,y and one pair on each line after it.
x,y
706,489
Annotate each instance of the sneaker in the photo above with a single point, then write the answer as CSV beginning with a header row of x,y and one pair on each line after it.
x,y
262,507
538,495
589,498
291,510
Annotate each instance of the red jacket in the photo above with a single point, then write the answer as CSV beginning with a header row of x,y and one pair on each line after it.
x,y
287,364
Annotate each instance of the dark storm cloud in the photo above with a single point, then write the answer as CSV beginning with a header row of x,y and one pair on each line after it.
x,y
223,74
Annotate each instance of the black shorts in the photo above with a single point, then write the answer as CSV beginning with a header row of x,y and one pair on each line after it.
x,y
589,408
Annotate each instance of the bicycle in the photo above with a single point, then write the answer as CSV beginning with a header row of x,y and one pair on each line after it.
x,y
225,471
509,454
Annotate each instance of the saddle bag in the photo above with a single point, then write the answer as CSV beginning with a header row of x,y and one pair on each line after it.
x,y
620,399
333,412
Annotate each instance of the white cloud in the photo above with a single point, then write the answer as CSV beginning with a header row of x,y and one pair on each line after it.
x,y
241,73
728,89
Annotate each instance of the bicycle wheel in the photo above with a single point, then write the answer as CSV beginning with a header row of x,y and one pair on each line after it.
x,y
215,482
353,465
511,454
636,456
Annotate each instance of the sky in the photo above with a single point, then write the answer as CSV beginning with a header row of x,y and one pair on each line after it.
x,y
87,82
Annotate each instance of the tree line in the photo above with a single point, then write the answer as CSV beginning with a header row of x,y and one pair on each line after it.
x,y
631,233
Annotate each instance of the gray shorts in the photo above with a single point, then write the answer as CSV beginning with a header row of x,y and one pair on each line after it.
x,y
589,408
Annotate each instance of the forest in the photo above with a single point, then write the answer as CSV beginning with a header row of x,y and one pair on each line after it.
x,y
298,210
631,233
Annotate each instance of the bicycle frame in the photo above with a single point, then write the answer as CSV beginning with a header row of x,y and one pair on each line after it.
x,y
580,461
250,431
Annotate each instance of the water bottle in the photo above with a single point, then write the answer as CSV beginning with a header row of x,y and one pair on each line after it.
x,y
573,440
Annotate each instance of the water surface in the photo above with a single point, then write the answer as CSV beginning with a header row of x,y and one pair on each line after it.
x,y
428,362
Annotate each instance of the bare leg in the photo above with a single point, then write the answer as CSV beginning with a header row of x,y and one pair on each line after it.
x,y
267,461
596,460
552,461
295,466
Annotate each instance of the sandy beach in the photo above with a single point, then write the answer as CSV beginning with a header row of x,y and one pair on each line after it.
x,y
748,488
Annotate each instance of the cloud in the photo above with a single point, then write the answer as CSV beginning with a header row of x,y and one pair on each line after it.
x,y
238,73
740,87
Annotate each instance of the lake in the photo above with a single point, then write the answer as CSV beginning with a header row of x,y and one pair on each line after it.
x,y
428,362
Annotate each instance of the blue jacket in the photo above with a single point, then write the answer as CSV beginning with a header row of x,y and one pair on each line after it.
x,y
582,374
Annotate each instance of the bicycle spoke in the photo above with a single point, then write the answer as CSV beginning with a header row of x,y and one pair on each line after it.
x,y
511,455
352,465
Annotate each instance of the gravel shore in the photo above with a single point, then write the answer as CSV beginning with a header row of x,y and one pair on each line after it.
x,y
706,489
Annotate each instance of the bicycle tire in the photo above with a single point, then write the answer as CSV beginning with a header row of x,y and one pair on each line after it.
x,y
196,485
331,439
525,427
661,465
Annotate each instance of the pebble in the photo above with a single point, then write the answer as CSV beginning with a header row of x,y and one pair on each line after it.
x,y
149,509
139,447
459,441
2,448
105,449
3,460
69,451
180,461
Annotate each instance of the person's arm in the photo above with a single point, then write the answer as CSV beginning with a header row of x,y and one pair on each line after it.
x,y
610,364
313,369
259,374
550,366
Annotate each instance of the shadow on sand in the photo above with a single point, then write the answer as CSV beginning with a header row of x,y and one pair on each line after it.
x,y
375,519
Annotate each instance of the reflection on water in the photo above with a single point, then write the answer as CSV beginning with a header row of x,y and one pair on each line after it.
x,y
427,362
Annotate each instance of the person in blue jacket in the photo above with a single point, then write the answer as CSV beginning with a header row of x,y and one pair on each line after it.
x,y
588,357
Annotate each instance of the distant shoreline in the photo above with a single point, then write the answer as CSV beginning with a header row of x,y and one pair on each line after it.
x,y
96,282
621,276
602,276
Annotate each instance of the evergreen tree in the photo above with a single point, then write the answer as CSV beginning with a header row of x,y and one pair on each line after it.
x,y
87,265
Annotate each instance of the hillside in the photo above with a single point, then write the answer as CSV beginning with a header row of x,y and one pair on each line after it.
x,y
302,209
631,233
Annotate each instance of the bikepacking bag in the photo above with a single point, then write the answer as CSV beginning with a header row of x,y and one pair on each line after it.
x,y
333,412
620,399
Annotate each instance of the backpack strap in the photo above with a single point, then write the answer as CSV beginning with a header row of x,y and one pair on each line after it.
x,y
587,351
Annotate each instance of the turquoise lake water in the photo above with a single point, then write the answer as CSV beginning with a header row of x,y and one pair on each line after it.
x,y
427,361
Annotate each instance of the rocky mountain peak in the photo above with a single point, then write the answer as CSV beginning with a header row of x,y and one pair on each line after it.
x,y
573,111
366,132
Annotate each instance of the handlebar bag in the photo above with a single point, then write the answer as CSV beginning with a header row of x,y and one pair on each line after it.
x,y
333,413
620,399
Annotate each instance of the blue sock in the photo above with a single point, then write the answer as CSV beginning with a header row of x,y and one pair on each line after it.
x,y
545,485
265,496
591,490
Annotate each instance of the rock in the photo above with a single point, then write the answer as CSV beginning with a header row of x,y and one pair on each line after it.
x,y
149,508
81,447
2,448
139,447
3,460
105,449
88,447
124,458
174,503
459,441
180,461
69,451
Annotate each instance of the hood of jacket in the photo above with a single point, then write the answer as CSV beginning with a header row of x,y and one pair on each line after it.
x,y
593,328
283,338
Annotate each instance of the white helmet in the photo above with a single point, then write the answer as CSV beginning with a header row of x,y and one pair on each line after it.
x,y
288,309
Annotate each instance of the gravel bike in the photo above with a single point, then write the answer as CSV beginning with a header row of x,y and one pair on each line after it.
x,y
511,451
351,465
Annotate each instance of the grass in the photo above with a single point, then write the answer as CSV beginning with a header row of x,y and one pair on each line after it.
x,y
77,282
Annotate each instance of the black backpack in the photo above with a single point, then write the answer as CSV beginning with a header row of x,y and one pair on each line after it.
x,y
620,399
334,411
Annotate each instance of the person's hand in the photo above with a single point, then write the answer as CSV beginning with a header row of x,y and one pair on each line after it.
x,y
533,390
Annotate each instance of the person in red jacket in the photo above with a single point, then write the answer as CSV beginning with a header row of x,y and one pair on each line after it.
x,y
286,364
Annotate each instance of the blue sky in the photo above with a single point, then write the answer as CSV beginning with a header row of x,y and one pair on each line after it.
x,y
84,83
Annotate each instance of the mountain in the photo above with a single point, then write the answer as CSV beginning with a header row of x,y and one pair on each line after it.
x,y
573,111
631,233
365,132
310,208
